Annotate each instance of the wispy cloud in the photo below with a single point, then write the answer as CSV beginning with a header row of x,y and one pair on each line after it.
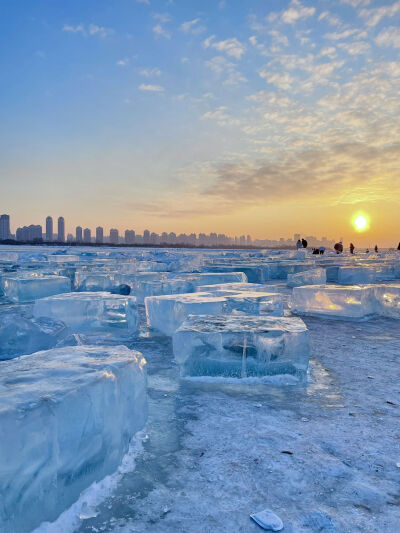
x,y
192,26
389,37
150,72
232,47
151,88
92,29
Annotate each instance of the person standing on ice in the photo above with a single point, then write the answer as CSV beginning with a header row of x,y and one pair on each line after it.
x,y
339,247
351,248
376,248
398,247
299,245
304,243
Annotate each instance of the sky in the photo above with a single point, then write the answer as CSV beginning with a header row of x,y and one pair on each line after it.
x,y
264,117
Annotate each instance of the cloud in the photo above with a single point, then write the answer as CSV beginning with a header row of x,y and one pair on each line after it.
x,y
343,172
338,36
151,88
373,16
232,47
282,80
354,49
150,72
93,29
296,11
356,3
74,29
123,62
192,26
226,69
160,31
279,38
389,37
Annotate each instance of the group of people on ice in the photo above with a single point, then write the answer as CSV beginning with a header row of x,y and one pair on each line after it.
x,y
302,243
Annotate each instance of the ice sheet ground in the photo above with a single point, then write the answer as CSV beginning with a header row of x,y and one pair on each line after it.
x,y
323,455
324,458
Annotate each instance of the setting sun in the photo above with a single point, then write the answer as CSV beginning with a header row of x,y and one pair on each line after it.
x,y
360,222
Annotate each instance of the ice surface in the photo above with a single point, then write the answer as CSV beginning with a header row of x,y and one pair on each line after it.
x,y
28,289
235,287
315,276
67,417
91,311
352,275
388,300
166,313
353,302
241,346
21,336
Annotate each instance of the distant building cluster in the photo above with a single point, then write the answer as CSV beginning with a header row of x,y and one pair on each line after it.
x,y
34,233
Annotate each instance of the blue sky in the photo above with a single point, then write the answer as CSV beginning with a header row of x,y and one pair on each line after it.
x,y
200,116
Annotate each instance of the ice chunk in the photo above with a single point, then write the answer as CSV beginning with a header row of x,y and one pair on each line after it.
x,y
20,335
28,289
281,269
166,313
352,302
91,311
316,276
96,281
239,346
388,300
351,275
235,287
67,417
267,519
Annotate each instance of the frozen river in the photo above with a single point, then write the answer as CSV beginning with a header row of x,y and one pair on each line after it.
x,y
323,454
325,457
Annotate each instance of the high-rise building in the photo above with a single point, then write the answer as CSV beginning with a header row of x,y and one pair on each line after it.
x,y
87,236
49,229
61,229
78,234
114,237
99,235
5,227
32,233
129,236
146,236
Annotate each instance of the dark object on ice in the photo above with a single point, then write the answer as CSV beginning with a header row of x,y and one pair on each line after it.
x,y
398,247
123,289
351,248
321,250
339,247
315,251
304,243
376,248
267,519
287,452
299,245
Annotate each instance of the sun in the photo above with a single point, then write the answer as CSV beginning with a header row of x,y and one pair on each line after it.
x,y
360,222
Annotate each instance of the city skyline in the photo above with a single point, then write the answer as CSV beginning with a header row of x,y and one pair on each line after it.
x,y
35,233
237,117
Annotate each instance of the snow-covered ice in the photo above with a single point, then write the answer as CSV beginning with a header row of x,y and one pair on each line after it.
x,y
67,417
242,346
91,311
